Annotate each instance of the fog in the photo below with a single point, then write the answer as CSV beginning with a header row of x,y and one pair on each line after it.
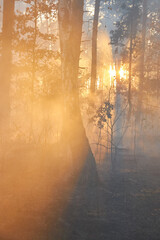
x,y
77,163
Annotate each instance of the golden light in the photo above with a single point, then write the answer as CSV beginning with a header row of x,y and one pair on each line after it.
x,y
112,73
98,82
122,73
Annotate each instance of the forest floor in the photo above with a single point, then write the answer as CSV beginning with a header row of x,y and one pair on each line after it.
x,y
125,206
37,203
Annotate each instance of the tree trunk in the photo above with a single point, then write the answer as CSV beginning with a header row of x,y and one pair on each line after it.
x,y
130,59
33,74
94,46
158,70
34,49
70,17
5,65
118,107
141,80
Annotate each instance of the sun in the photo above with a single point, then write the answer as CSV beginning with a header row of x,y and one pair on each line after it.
x,y
122,73
112,72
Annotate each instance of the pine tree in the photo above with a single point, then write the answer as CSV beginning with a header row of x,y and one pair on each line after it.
x,y
74,136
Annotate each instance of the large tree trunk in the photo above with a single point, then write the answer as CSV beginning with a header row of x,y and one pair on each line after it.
x,y
94,46
70,16
5,65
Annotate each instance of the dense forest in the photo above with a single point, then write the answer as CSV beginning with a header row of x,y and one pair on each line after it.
x,y
79,119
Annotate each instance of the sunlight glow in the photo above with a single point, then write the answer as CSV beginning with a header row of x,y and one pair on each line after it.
x,y
98,82
112,72
122,73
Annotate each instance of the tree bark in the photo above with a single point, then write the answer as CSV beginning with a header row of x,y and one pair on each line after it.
x,y
94,46
141,80
33,76
130,59
6,63
70,17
